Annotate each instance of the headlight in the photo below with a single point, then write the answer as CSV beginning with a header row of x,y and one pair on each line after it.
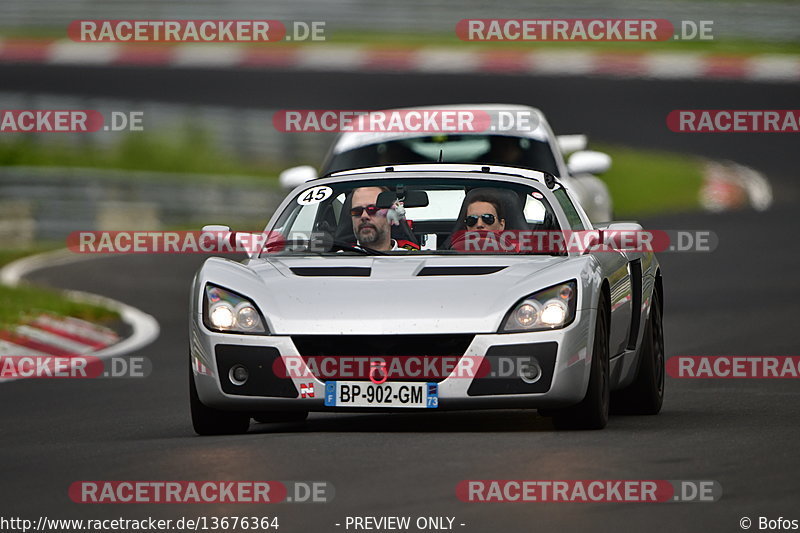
x,y
226,311
550,308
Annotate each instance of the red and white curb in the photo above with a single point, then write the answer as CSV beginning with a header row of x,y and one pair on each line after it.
x,y
728,185
52,335
349,58
58,336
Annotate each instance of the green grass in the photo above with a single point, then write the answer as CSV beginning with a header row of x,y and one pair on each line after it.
x,y
646,182
25,302
187,151
8,255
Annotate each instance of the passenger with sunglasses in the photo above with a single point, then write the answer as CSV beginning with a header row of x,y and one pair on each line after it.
x,y
370,225
484,214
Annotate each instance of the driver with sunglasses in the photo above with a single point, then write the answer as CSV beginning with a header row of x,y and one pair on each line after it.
x,y
370,225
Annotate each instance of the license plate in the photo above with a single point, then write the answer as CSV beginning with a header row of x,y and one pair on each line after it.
x,y
395,394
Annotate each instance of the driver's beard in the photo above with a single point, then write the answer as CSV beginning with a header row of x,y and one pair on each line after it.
x,y
371,236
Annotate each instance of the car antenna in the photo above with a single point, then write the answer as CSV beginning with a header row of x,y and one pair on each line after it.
x,y
440,155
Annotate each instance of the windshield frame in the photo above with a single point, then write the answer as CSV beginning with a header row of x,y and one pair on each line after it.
x,y
408,177
327,167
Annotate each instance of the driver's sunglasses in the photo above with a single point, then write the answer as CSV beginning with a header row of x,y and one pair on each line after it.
x,y
487,218
371,210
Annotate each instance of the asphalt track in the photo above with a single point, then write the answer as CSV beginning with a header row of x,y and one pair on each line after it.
x,y
739,300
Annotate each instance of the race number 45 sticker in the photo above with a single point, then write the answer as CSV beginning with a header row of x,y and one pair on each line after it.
x,y
314,195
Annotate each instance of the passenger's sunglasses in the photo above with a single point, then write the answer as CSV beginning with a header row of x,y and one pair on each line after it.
x,y
371,210
487,218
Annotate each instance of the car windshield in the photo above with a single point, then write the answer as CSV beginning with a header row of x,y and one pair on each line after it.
x,y
520,152
412,215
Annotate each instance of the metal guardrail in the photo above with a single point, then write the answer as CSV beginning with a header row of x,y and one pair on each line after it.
x,y
48,203
41,203
244,133
768,20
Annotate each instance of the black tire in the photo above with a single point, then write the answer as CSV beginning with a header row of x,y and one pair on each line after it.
x,y
592,411
209,421
645,395
269,417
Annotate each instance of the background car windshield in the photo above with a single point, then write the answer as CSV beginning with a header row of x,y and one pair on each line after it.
x,y
320,218
491,149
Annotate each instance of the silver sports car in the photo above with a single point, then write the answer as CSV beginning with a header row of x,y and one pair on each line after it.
x,y
435,286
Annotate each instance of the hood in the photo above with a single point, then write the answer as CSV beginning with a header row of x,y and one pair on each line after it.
x,y
373,295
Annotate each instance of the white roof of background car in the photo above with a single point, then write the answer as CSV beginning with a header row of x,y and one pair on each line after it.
x,y
445,167
350,140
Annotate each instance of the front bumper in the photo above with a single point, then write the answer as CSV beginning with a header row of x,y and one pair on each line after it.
x,y
563,355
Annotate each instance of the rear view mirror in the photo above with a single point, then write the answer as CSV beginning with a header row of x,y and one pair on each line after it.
x,y
412,199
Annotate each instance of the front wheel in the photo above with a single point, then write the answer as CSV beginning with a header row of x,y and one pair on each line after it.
x,y
646,394
209,421
592,411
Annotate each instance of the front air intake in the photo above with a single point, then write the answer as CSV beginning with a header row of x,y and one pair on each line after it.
x,y
460,270
331,271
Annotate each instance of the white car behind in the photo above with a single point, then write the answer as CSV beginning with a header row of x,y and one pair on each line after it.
x,y
529,144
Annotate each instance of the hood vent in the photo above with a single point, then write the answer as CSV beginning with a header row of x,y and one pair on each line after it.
x,y
459,270
331,271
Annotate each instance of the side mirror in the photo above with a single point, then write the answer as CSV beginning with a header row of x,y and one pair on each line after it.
x,y
216,228
571,143
251,243
624,226
588,162
292,177
627,237
218,236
